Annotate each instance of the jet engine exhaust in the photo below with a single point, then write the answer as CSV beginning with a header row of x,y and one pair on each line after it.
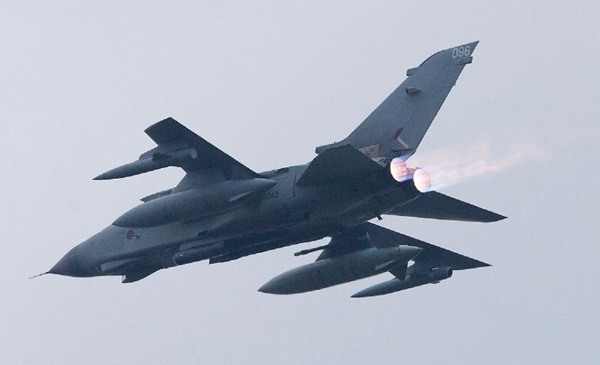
x,y
422,180
400,172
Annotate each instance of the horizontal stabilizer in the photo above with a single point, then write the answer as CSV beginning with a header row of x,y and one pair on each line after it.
x,y
435,205
338,164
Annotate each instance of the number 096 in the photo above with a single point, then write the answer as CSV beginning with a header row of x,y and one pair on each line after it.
x,y
461,52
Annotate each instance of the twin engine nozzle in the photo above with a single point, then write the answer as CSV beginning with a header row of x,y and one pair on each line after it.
x,y
400,172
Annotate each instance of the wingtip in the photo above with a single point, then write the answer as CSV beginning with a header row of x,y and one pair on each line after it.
x,y
481,264
497,218
167,120
491,217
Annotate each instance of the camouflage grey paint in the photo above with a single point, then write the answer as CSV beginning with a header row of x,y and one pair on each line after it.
x,y
222,210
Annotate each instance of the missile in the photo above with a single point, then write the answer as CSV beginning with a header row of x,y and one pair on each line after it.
x,y
155,162
192,204
394,285
329,272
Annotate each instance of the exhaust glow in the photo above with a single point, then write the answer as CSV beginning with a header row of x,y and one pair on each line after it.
x,y
451,165
421,180
399,170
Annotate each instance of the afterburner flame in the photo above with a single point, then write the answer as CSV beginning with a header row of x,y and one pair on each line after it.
x,y
399,170
421,180
455,164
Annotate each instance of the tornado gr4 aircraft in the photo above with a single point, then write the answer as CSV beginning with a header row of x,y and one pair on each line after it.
x,y
222,210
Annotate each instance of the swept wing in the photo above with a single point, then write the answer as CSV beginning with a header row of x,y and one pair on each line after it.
x,y
179,146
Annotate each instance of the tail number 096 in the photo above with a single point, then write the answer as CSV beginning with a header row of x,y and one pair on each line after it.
x,y
464,51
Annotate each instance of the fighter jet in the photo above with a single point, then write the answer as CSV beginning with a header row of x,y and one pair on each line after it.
x,y
222,210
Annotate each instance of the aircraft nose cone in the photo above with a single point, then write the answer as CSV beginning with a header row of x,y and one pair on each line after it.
x,y
274,286
69,265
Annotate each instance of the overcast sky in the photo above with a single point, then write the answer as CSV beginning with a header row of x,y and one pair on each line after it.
x,y
80,81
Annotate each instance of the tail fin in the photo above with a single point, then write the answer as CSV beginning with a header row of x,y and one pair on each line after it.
x,y
398,125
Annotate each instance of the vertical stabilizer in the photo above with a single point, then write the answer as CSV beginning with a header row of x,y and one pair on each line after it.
x,y
398,125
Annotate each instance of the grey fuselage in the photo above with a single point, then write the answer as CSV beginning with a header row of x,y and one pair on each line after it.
x,y
284,215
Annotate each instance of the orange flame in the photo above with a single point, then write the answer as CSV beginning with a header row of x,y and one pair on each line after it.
x,y
451,165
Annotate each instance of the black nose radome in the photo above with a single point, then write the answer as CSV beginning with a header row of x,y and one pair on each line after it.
x,y
69,265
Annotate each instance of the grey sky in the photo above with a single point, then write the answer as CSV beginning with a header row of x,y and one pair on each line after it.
x,y
267,83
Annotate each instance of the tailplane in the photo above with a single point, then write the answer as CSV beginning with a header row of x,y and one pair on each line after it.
x,y
436,205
